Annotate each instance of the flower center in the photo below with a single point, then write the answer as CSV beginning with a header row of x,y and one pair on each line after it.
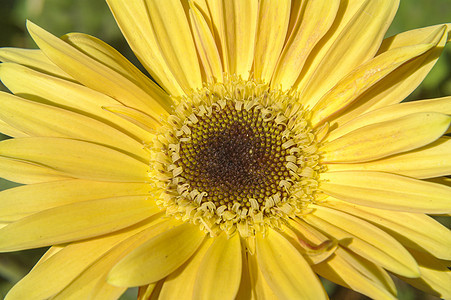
x,y
237,156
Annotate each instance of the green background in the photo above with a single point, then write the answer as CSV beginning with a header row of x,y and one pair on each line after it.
x,y
93,17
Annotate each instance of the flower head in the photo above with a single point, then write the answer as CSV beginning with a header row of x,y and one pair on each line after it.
x,y
270,147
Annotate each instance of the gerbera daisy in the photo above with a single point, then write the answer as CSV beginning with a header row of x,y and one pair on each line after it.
x,y
270,147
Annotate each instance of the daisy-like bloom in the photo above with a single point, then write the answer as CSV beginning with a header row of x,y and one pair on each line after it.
x,y
270,148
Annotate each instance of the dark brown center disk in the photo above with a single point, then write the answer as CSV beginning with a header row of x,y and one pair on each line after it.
x,y
234,156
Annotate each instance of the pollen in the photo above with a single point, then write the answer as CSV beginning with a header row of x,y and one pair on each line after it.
x,y
237,157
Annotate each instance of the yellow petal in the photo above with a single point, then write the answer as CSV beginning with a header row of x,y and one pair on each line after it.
x,y
285,270
220,270
38,119
407,77
76,221
364,239
76,158
356,44
206,45
158,257
22,171
316,19
107,55
136,117
435,275
440,105
34,59
433,160
417,231
387,138
357,274
273,19
180,284
174,38
363,78
216,9
11,131
241,24
143,42
46,89
387,191
21,201
96,75
261,289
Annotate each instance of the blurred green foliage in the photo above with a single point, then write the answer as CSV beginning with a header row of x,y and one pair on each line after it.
x,y
93,17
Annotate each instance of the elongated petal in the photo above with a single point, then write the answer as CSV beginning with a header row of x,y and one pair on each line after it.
x,y
206,45
38,119
94,74
143,42
364,239
158,257
354,272
11,131
22,171
387,138
417,231
81,159
260,288
136,117
241,24
407,77
62,93
285,270
317,18
220,271
366,33
180,283
21,201
107,55
363,78
433,160
272,27
387,191
176,42
34,59
440,105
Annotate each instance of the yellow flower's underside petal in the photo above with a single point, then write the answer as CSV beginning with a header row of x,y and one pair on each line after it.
x,y
433,160
285,270
21,201
206,46
88,284
440,105
22,171
357,274
143,42
57,270
75,222
387,138
363,78
46,89
173,35
43,120
136,117
435,276
81,159
241,24
216,9
158,257
34,59
417,231
310,27
407,77
246,289
273,19
366,30
180,284
364,239
387,191
219,273
107,55
11,131
260,288
96,75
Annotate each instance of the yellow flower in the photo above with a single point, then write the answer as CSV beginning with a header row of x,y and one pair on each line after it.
x,y
270,148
